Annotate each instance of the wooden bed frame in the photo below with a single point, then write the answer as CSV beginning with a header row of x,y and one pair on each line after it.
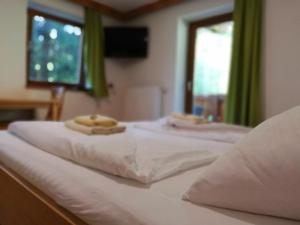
x,y
22,203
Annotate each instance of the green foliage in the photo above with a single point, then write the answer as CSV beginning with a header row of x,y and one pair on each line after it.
x,y
55,51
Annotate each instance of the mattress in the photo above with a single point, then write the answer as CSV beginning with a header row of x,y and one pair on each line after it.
x,y
98,198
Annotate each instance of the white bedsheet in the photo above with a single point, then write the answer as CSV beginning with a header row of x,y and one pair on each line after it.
x,y
213,131
211,126
101,199
142,156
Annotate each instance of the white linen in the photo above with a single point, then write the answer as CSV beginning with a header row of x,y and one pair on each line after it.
x,y
94,130
190,125
261,174
132,154
212,131
100,199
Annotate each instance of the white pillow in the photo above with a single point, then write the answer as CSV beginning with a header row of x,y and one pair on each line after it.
x,y
260,175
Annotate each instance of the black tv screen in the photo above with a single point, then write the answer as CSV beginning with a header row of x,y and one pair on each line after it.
x,y
126,42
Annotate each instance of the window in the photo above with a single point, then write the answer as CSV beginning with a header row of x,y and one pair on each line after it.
x,y
209,64
54,51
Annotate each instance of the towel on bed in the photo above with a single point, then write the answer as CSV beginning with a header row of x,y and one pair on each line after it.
x,y
188,118
96,120
213,126
94,130
220,132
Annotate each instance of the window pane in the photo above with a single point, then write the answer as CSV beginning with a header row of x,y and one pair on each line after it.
x,y
55,51
211,69
212,59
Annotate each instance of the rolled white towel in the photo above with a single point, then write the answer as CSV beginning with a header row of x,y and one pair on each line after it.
x,y
96,120
94,130
189,118
205,126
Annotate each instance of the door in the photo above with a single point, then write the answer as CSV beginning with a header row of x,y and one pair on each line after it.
x,y
209,58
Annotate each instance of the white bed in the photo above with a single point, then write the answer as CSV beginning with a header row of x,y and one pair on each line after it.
x,y
99,198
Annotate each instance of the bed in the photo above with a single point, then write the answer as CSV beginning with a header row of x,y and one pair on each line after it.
x,y
40,188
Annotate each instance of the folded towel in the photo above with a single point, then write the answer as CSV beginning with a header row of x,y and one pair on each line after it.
x,y
93,130
218,132
205,127
96,120
189,118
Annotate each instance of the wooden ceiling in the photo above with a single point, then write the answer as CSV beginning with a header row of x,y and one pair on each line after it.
x,y
125,5
131,14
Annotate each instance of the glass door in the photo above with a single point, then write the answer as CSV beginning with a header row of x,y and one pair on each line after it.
x,y
209,66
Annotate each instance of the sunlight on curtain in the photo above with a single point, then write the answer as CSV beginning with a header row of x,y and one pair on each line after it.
x,y
94,53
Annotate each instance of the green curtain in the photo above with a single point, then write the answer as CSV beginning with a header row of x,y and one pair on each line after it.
x,y
242,105
94,53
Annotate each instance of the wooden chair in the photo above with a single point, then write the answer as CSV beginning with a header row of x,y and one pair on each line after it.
x,y
57,98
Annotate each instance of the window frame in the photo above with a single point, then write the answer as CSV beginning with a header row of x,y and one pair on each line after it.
x,y
44,84
192,33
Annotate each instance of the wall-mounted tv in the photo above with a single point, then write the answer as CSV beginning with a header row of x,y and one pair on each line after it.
x,y
126,42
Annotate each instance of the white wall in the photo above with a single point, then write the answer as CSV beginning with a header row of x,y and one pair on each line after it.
x,y
281,61
13,16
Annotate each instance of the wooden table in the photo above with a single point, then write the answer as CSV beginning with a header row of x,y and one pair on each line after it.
x,y
52,105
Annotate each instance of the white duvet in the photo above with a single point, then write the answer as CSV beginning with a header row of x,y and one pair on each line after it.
x,y
101,199
136,154
213,131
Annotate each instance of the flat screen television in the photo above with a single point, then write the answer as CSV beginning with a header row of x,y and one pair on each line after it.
x,y
126,42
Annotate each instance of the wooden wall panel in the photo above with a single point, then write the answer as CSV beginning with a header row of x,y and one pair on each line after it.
x,y
142,10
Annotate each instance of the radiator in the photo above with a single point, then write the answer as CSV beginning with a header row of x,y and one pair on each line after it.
x,y
143,103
